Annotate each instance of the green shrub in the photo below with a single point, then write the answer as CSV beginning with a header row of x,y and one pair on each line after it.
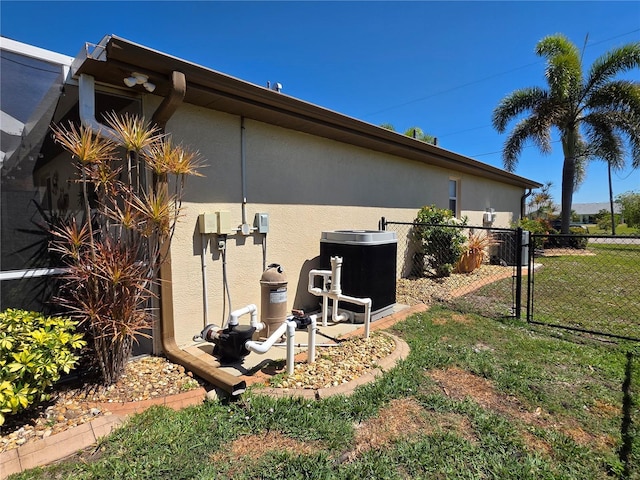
x,y
537,226
575,239
441,245
34,349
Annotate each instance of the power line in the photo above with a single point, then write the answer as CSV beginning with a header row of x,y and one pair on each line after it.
x,y
500,151
458,87
452,89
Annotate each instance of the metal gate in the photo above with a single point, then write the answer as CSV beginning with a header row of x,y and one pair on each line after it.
x,y
585,283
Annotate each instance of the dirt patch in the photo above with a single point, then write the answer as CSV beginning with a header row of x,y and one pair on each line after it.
x,y
605,409
455,318
402,419
459,384
260,444
560,252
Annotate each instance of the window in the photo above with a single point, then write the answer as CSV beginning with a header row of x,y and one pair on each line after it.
x,y
453,196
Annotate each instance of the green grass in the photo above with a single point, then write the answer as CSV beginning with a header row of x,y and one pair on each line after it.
x,y
622,229
598,292
575,382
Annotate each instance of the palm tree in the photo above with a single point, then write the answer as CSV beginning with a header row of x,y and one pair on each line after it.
x,y
413,132
593,114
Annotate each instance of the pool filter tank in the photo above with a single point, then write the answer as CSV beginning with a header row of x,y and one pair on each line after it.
x,y
273,302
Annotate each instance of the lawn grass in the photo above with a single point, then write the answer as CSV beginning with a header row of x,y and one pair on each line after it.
x,y
475,398
598,292
621,229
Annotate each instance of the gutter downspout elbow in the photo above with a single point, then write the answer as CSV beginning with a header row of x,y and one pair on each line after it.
x,y
171,102
523,204
205,370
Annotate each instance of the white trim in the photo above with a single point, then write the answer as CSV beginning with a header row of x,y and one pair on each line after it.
x,y
10,125
34,52
30,273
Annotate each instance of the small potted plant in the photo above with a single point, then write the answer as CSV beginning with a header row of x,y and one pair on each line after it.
x,y
475,252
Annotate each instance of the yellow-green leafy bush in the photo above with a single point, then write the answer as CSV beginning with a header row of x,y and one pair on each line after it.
x,y
34,349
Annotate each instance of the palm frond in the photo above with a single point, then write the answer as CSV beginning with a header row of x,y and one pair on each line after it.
x,y
616,61
555,45
515,104
615,95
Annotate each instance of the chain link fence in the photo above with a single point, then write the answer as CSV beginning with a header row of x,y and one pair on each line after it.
x,y
466,268
586,283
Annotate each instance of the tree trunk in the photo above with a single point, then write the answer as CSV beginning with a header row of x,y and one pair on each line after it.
x,y
568,178
613,216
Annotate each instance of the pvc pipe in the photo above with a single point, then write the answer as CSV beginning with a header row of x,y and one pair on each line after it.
x,y
335,293
311,330
336,275
291,335
205,300
304,345
263,347
235,315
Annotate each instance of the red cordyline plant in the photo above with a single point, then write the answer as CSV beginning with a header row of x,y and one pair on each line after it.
x,y
113,255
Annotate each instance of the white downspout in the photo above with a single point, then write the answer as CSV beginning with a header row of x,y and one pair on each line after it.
x,y
87,106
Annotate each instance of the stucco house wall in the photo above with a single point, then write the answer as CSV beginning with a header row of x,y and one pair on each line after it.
x,y
310,169
307,185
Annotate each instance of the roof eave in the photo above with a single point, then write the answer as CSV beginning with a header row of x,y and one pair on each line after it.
x,y
116,58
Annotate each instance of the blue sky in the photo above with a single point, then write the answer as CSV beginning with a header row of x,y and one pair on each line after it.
x,y
442,66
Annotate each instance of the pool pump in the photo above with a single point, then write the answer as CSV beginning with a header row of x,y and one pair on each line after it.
x,y
229,343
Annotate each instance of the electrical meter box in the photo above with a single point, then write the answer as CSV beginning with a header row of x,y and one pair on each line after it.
x,y
224,223
261,222
208,223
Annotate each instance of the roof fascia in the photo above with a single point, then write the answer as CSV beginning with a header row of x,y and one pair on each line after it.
x,y
114,57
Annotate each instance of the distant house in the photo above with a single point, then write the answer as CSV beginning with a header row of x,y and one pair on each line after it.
x,y
587,212
298,167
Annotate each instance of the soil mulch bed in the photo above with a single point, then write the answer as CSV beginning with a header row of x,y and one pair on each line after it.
x,y
72,405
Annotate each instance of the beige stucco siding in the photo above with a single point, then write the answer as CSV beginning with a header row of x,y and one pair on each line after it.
x,y
307,185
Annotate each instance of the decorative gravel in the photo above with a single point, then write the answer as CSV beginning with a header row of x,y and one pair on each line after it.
x,y
336,365
412,291
150,377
